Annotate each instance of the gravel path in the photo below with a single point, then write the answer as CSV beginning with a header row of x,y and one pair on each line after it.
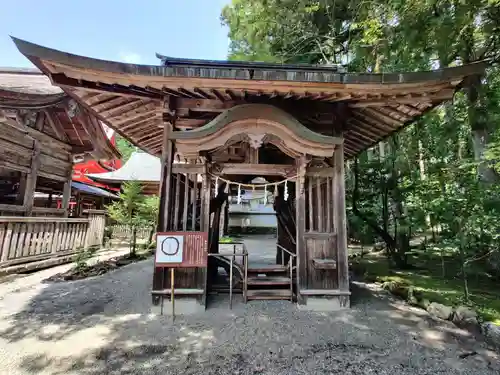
x,y
103,326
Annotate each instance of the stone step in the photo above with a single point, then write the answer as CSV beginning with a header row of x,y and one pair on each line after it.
x,y
269,294
269,280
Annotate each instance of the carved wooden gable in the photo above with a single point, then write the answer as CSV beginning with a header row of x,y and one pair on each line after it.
x,y
256,124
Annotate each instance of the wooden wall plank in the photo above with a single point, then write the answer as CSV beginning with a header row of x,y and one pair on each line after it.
x,y
319,205
27,240
29,192
55,240
186,201
34,239
309,193
300,208
328,207
6,242
194,201
40,238
177,202
340,218
14,240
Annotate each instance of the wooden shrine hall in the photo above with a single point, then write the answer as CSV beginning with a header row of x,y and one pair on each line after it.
x,y
43,132
230,122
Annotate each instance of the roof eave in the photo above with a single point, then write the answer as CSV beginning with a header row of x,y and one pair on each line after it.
x,y
36,52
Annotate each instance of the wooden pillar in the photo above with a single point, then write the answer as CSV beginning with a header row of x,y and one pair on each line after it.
x,y
340,219
160,281
205,221
22,188
66,196
300,207
167,157
166,179
78,208
30,185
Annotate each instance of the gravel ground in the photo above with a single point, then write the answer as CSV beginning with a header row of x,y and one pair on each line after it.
x,y
103,326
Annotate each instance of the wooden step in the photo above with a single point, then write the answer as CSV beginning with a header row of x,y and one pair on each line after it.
x,y
269,294
276,268
269,280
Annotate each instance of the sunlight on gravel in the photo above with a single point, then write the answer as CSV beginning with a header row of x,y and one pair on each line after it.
x,y
103,325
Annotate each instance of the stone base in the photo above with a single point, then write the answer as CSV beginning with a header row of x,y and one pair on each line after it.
x,y
324,304
183,306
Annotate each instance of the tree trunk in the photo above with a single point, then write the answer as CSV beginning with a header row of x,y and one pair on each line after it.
x,y
386,237
151,234
423,176
479,130
134,239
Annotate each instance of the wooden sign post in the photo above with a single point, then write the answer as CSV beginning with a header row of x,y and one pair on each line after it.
x,y
180,250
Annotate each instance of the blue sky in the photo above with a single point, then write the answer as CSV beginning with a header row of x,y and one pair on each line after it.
x,y
121,30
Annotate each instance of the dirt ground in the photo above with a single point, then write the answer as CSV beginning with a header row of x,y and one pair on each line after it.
x,y
103,325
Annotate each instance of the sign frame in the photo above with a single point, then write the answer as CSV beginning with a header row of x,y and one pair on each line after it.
x,y
194,252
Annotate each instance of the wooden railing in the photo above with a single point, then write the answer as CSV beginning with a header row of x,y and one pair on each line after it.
x,y
121,233
97,225
29,239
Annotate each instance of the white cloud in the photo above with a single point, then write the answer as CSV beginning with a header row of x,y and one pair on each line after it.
x,y
130,57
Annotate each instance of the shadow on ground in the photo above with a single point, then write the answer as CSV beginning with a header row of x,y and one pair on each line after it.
x,y
103,326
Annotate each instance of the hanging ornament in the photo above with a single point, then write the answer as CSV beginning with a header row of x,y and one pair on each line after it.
x,y
226,189
275,190
216,186
286,191
265,194
239,194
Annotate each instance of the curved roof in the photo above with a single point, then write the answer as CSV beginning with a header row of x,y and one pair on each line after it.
x,y
139,167
27,81
30,90
364,107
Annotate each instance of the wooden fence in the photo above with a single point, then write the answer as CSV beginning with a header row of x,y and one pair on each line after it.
x,y
123,233
30,239
97,226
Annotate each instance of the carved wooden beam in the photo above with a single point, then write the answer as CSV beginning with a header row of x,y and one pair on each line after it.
x,y
257,169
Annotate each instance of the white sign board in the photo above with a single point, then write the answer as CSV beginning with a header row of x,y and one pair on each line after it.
x,y
169,248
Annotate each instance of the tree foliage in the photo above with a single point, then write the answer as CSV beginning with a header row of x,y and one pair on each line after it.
x,y
134,210
439,176
125,147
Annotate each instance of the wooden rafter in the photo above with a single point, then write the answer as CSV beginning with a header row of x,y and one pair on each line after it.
x,y
374,122
218,95
114,102
132,104
145,127
128,117
40,121
364,128
394,113
140,122
56,126
375,113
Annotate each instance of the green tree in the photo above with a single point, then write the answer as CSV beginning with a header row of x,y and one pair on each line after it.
x,y
125,147
429,177
149,210
126,210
